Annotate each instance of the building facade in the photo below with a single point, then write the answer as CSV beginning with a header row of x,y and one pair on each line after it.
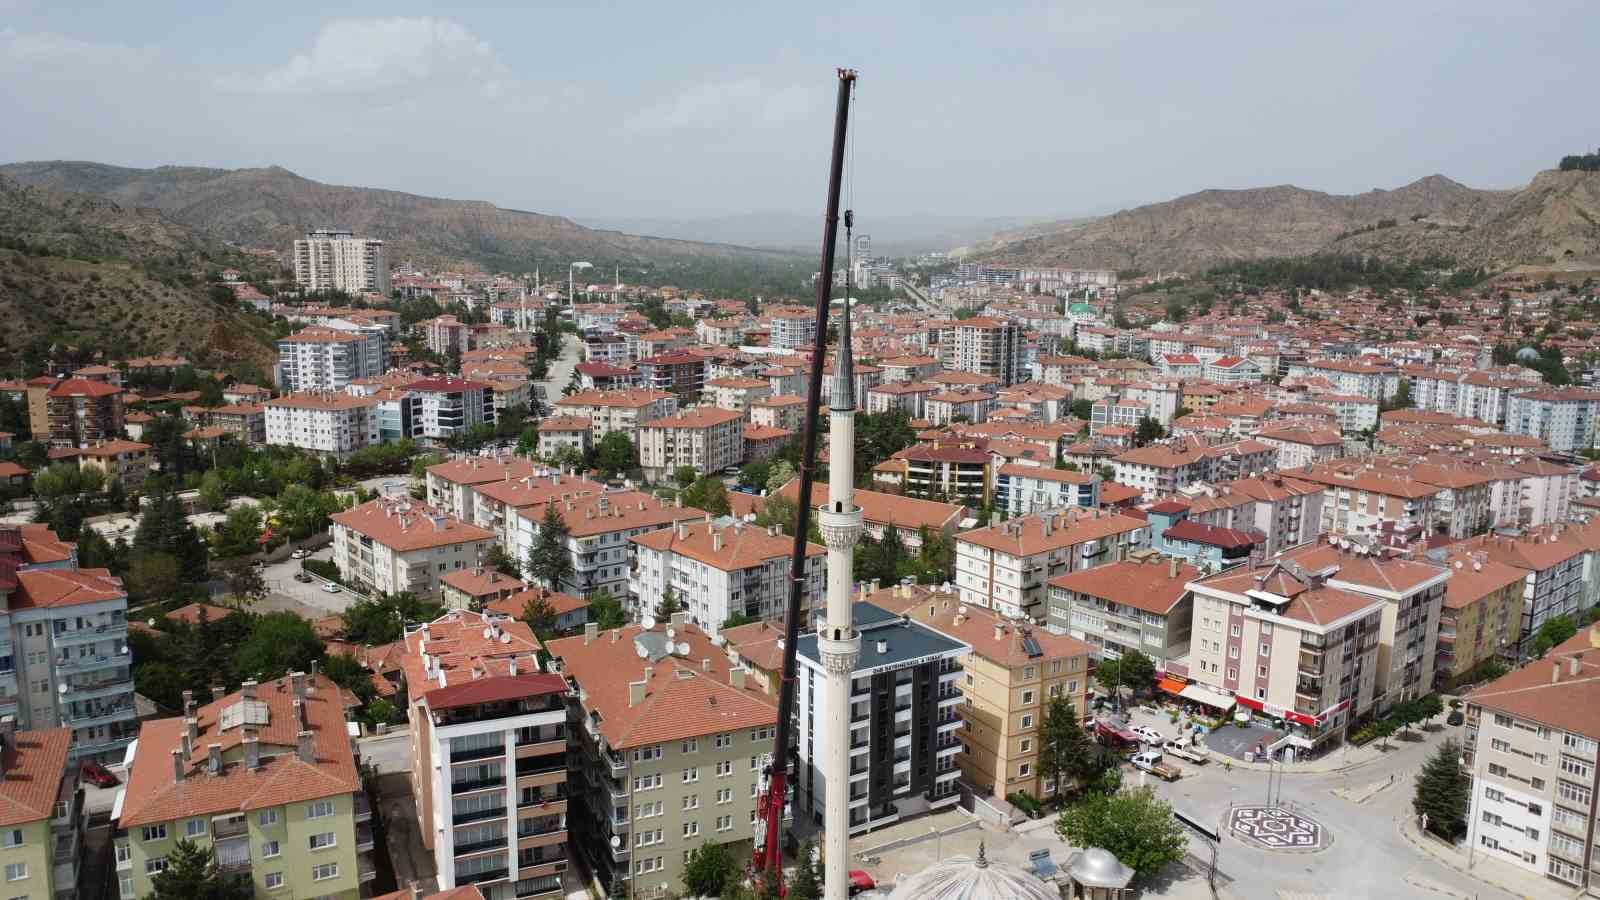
x,y
330,259
399,545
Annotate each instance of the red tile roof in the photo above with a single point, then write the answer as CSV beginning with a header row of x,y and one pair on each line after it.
x,y
34,764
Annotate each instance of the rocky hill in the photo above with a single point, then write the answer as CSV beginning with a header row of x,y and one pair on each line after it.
x,y
1549,223
87,272
273,206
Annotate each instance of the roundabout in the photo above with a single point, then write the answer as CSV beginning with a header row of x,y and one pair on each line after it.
x,y
1277,828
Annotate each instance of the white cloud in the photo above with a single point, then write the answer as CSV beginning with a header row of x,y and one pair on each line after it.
x,y
365,55
743,101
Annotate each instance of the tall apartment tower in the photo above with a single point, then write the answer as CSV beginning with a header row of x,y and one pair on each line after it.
x,y
327,259
838,645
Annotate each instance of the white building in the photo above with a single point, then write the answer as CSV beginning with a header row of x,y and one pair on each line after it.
x,y
793,327
327,423
1004,567
715,572
623,411
451,406
320,358
398,545
327,259
1564,418
984,346
599,529
706,439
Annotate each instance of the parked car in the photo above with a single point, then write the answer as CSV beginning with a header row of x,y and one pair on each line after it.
x,y
1149,735
1150,761
330,588
1455,717
861,882
300,554
98,775
303,577
1188,748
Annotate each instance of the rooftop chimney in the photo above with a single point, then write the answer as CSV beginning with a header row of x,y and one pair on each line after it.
x,y
999,631
298,679
716,541
299,714
1555,672
177,764
591,630
248,689
636,692
305,749
1575,664
1172,568
736,676
705,663
252,750
680,620
188,702
218,692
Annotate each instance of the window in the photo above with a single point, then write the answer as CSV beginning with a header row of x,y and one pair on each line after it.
x,y
195,827
323,841
319,809
1233,651
17,871
325,872
723,741
691,829
1503,746
269,849
691,775
1497,770
724,795
1055,690
724,823
155,832
1027,697
1265,649
692,745
1233,672
152,865
1027,720
1261,671
1503,721
724,767
645,754
647,782
1490,793
1024,770
1025,745
13,837
125,887
273,881
268,817
1027,672
1234,630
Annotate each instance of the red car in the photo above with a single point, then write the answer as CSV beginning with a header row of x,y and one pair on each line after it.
x,y
860,881
98,775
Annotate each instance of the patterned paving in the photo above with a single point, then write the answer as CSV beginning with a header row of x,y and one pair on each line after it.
x,y
1276,828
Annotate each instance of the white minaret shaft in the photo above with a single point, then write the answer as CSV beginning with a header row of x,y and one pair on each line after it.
x,y
837,642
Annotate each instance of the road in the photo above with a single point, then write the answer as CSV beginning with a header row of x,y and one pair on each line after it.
x,y
299,595
1367,856
561,367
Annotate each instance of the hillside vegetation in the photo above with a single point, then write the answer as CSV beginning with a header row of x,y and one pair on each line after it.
x,y
100,276
271,207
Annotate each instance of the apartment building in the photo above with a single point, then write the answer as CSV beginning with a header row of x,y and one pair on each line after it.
x,y
737,394
452,487
267,777
623,411
909,397
1163,468
880,512
957,471
1005,567
445,335
1375,381
1564,418
1009,678
559,433
330,424
1143,603
1302,446
1482,615
715,572
41,811
1022,490
64,645
488,755
1553,567
793,327
496,504
705,439
450,406
328,359
785,411
1361,501
1284,642
1232,370
119,462
396,544
80,412
1530,742
680,373
330,259
905,694
599,527
1545,494
673,739
246,421
957,406
984,346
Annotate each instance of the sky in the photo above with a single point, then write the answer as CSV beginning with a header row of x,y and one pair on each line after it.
x,y
684,110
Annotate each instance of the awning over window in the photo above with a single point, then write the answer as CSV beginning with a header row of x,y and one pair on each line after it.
x,y
1209,696
1172,686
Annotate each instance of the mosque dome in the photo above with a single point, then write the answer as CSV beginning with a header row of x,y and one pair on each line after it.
x,y
1527,354
974,878
1095,867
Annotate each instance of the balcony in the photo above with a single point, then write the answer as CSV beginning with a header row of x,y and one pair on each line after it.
x,y
487,752
363,807
98,689
99,717
541,748
366,869
364,838
231,827
548,886
72,636
477,784
91,662
541,771
543,868
484,846
233,854
478,815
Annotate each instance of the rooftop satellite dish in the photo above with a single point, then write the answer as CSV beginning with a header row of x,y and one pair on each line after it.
x,y
61,688
671,632
962,609
683,648
649,623
640,649
487,632
505,638
616,841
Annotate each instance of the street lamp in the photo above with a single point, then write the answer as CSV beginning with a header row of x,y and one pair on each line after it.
x,y
572,299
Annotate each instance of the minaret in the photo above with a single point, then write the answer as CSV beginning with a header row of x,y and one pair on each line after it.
x,y
837,642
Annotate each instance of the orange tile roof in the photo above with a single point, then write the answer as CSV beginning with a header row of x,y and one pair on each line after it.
x,y
403,524
1548,691
904,513
699,417
1149,586
614,511
742,546
66,587
1026,536
452,650
976,627
152,795
314,400
34,764
190,613
685,696
483,469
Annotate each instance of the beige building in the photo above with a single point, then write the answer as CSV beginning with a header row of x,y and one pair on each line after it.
x,y
267,777
715,573
330,259
1009,679
623,411
672,739
1482,616
557,433
705,439
1531,739
41,812
123,462
599,529
398,545
1141,604
737,394
1005,567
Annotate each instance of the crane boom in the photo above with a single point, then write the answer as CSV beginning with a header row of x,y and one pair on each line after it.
x,y
768,849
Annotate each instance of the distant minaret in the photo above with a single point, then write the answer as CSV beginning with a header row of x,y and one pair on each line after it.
x,y
837,642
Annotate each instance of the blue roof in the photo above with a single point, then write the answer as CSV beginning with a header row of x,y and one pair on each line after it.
x,y
905,640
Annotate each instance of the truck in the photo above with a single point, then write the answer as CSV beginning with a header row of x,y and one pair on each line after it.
x,y
1187,748
1150,761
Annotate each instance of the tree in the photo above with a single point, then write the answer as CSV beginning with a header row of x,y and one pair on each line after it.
x,y
153,577
539,614
239,533
1384,728
669,604
709,869
1136,826
548,559
1553,633
1443,792
1082,409
709,494
755,473
381,619
779,474
1148,430
734,620
1138,670
1428,707
606,611
1065,750
212,491
684,475
245,582
192,874
807,881
614,454
501,561
281,642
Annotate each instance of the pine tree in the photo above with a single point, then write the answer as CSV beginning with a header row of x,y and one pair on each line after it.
x,y
1065,751
807,881
1444,792
548,559
192,874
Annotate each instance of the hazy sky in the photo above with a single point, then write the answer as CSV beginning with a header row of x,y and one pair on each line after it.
x,y
684,109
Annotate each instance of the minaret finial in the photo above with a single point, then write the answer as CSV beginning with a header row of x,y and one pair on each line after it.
x,y
844,369
983,856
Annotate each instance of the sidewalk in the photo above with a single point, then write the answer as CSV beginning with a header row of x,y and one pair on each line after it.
x,y
1346,758
1486,868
